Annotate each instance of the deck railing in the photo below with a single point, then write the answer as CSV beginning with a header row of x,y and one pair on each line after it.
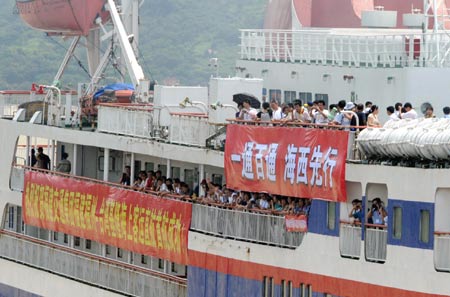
x,y
376,242
351,48
91,269
350,236
442,251
248,226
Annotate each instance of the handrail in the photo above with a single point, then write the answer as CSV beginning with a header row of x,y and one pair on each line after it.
x,y
165,195
190,114
176,279
441,233
346,222
376,226
295,124
129,106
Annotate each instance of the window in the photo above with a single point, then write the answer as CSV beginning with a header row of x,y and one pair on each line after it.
x,y
149,166
331,215
305,97
144,259
286,288
119,253
55,236
11,217
268,290
275,95
163,169
323,97
217,179
175,172
289,289
112,163
174,268
302,290
189,177
66,238
160,263
76,241
424,226
107,250
283,288
289,96
305,290
88,244
397,222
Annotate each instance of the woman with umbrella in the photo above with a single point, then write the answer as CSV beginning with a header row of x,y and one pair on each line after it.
x,y
248,113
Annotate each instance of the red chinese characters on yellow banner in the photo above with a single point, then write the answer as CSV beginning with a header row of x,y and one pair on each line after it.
x,y
288,161
130,220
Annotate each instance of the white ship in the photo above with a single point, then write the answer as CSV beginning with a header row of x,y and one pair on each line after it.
x,y
82,233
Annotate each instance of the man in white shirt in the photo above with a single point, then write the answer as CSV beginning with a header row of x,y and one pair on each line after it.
x,y
410,112
321,115
277,113
247,113
390,110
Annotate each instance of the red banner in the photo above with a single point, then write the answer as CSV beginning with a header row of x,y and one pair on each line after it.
x,y
130,220
297,162
296,223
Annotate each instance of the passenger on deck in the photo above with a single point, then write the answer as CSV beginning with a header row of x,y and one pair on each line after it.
x,y
64,165
410,112
356,213
276,109
372,119
377,213
429,113
390,110
361,114
32,159
43,161
301,113
446,111
265,115
320,113
248,113
398,109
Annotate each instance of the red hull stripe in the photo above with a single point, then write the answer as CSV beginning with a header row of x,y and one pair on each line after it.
x,y
320,283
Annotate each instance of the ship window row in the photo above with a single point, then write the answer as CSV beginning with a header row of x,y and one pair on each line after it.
x,y
13,222
286,289
292,96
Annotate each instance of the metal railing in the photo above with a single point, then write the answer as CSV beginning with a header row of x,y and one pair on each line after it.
x,y
376,243
134,121
17,178
94,270
350,240
355,48
189,129
442,251
242,225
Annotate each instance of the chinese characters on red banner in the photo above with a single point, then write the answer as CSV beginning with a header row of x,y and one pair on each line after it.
x,y
297,162
130,220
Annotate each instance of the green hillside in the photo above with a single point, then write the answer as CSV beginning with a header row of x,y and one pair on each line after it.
x,y
177,39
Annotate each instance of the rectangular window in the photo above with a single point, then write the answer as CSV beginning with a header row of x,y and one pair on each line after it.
x,y
88,244
331,215
55,236
309,291
76,241
283,288
144,259
66,238
302,290
397,222
305,97
189,177
275,95
424,226
289,289
149,166
160,263
119,253
174,268
271,288
163,169
217,179
107,250
11,217
112,163
289,96
175,172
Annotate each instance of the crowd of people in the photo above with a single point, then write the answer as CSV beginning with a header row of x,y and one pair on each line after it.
x,y
341,114
211,193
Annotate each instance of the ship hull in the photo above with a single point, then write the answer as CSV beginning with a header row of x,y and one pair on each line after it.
x,y
74,17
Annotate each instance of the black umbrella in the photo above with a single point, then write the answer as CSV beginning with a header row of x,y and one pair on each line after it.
x,y
239,99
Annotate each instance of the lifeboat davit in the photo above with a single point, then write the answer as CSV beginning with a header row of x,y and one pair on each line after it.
x,y
67,17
